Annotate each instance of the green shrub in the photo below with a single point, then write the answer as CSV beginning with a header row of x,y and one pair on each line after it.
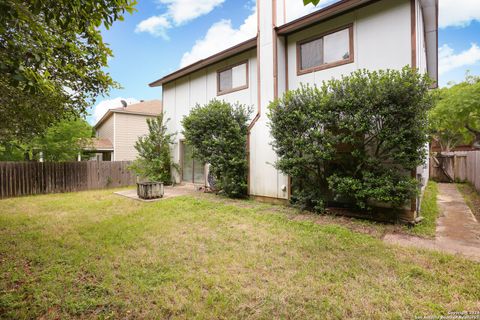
x,y
217,132
154,161
354,139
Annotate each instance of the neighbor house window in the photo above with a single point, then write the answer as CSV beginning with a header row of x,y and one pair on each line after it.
x,y
327,50
232,78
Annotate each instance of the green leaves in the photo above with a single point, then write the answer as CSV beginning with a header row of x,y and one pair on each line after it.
x,y
64,141
154,161
218,134
60,142
47,47
314,2
455,119
354,139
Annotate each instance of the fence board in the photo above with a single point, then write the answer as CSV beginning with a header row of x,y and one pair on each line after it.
x,y
463,166
27,178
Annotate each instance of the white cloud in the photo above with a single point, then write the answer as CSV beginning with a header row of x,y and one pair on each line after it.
x,y
178,12
181,11
156,26
221,35
448,60
458,13
101,108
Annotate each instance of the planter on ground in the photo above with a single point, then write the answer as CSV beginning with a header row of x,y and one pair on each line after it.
x,y
149,190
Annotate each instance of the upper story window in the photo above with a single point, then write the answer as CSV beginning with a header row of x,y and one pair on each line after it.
x,y
325,51
232,78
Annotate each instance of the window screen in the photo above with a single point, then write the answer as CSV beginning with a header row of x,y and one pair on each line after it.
x,y
225,79
331,48
312,53
232,78
337,46
239,75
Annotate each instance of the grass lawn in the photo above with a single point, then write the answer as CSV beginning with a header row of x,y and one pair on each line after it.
x,y
429,211
96,255
471,196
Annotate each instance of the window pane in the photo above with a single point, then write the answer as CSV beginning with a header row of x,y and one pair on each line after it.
x,y
187,165
336,46
239,75
311,54
225,80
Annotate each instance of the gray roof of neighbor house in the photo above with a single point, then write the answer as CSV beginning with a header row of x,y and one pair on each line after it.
x,y
146,108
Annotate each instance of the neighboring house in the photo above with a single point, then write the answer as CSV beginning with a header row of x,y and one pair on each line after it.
x,y
100,149
333,41
119,129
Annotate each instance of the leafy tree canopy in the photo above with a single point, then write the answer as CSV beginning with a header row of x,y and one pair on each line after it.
x,y
52,60
314,2
455,119
61,142
354,139
154,161
64,140
217,132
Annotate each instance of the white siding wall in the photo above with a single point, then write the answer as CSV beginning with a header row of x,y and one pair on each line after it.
x,y
381,35
181,95
382,39
128,128
264,179
422,67
420,37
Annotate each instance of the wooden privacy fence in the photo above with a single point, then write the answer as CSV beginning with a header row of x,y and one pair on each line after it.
x,y
27,178
460,166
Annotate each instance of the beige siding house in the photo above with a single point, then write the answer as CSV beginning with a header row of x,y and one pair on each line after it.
x,y
121,128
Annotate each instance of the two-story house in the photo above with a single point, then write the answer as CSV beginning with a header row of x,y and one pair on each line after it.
x,y
333,41
119,129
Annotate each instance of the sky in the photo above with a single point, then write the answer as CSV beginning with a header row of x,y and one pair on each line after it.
x,y
164,35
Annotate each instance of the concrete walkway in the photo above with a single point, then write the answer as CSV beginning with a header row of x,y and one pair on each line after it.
x,y
170,192
457,230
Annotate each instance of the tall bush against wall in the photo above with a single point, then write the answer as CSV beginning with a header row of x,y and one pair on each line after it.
x,y
217,132
354,139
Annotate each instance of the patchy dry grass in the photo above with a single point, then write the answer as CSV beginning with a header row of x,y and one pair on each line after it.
x,y
471,196
97,255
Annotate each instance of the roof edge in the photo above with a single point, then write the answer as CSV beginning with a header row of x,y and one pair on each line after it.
x,y
217,57
328,12
111,111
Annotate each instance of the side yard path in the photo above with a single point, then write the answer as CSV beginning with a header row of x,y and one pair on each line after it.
x,y
457,230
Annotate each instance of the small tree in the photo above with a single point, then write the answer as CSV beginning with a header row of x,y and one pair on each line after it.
x,y
154,160
455,119
218,134
63,141
354,139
